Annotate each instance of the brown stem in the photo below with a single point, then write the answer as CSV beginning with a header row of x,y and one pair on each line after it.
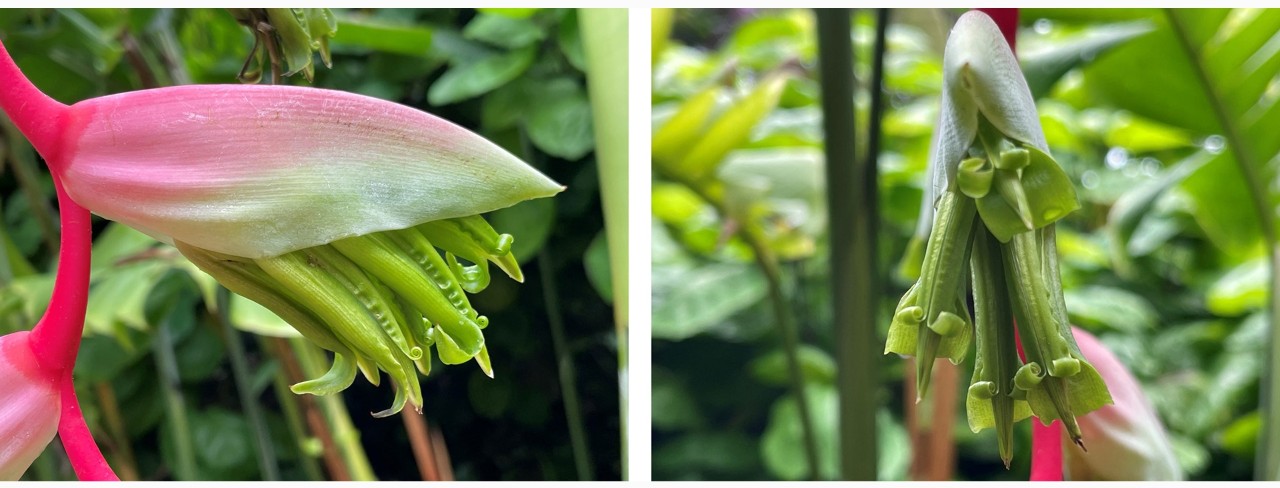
x,y
420,440
133,54
315,418
442,455
929,425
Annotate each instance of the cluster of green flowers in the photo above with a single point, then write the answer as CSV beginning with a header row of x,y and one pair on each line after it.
x,y
999,196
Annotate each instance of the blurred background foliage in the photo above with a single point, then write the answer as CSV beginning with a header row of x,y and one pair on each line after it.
x,y
1165,262
171,392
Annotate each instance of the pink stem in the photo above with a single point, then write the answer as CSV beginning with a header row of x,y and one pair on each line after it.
x,y
1007,20
37,116
1046,451
86,458
55,340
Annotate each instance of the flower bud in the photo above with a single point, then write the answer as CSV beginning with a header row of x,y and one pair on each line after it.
x,y
29,406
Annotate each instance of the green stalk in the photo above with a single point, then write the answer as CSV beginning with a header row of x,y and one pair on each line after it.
x,y
768,263
851,203
345,434
248,401
607,87
1267,464
174,404
568,373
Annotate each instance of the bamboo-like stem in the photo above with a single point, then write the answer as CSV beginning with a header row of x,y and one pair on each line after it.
x,y
174,404
420,442
1267,465
110,407
292,371
345,435
852,205
607,87
262,445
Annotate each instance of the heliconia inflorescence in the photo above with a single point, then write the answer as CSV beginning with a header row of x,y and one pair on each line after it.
x,y
329,208
993,196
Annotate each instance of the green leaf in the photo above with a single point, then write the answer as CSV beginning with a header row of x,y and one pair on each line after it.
x,y
815,364
1095,307
703,297
475,78
569,38
514,13
1044,63
1222,207
200,354
249,316
224,445
674,406
1240,290
730,455
558,118
503,31
783,436
362,32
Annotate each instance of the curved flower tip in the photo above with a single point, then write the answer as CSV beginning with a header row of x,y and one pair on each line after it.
x,y
1126,439
258,171
29,407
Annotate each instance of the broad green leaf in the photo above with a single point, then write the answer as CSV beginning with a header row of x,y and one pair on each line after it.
x,y
503,31
569,38
702,298
782,443
716,454
558,118
1222,207
1044,62
249,316
514,13
412,40
477,77
1097,306
1240,290
815,364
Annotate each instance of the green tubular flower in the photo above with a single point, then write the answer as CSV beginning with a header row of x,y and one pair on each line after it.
x,y
1069,385
288,34
991,401
378,301
936,302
